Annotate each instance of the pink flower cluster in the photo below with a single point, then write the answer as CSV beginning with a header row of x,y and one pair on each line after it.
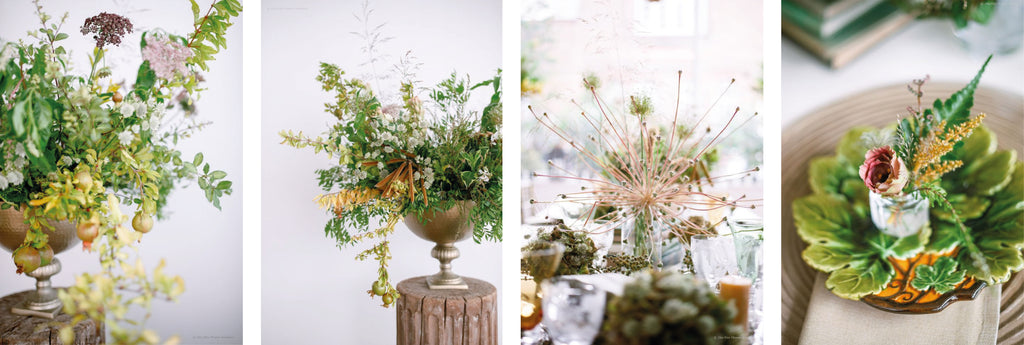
x,y
166,57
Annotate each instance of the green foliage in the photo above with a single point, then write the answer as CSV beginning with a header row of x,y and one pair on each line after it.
x,y
208,36
941,276
77,148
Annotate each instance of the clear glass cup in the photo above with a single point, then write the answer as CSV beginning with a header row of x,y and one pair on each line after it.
x,y
899,216
573,310
748,236
713,258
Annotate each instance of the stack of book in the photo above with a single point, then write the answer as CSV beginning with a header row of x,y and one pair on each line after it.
x,y
837,31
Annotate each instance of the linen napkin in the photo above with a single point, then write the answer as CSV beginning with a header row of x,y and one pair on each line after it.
x,y
833,320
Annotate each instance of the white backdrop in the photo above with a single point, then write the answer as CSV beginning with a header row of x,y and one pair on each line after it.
x,y
314,293
201,244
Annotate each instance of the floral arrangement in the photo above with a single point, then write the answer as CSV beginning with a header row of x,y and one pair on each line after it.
x,y
406,155
646,175
413,157
78,148
940,156
961,11
669,308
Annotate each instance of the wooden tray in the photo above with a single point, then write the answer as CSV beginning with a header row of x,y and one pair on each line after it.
x,y
816,135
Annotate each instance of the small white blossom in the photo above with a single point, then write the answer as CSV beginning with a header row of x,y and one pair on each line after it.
x,y
66,160
135,128
389,149
15,177
484,175
125,137
19,150
127,109
3,182
380,165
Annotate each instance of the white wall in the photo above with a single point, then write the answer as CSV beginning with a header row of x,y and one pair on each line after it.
x,y
314,293
201,244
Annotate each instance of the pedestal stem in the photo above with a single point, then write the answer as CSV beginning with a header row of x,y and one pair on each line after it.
x,y
43,302
446,279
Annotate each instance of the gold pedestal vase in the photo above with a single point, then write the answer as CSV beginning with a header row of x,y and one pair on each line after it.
x,y
43,302
444,229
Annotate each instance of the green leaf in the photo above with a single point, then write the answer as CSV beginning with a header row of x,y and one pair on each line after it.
x,y
224,185
967,207
957,108
991,173
217,175
831,257
60,36
861,279
851,149
983,13
195,10
144,81
941,276
826,175
945,236
823,219
198,159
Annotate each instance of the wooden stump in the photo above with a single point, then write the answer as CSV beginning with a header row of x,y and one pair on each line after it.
x,y
28,330
447,317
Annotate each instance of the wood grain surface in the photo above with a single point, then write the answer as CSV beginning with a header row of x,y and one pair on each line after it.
x,y
28,330
448,317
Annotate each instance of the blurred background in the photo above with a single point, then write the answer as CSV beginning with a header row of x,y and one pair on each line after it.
x,y
314,293
200,243
832,49
637,47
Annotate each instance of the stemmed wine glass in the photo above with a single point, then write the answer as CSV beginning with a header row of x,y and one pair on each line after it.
x,y
538,263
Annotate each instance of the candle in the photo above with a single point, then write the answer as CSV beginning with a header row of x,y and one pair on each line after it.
x,y
736,289
529,305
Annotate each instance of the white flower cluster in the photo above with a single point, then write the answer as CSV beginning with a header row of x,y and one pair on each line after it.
x,y
483,175
149,112
14,163
428,172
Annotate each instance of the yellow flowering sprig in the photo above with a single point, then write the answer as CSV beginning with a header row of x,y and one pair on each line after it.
x,y
928,164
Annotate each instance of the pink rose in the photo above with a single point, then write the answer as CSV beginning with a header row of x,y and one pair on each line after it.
x,y
883,172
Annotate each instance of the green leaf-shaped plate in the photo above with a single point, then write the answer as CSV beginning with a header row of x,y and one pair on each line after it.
x,y
865,264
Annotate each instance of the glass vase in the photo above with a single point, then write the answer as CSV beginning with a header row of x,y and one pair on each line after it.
x,y
1002,34
899,216
642,238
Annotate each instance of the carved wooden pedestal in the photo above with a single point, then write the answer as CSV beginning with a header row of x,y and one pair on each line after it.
x,y
448,317
28,330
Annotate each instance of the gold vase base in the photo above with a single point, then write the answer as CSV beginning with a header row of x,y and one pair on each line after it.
x,y
26,309
436,282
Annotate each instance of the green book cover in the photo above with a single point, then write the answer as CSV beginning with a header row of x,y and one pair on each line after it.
x,y
813,26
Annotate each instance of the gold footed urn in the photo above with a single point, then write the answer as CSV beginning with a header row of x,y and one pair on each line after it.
x,y
43,302
444,229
